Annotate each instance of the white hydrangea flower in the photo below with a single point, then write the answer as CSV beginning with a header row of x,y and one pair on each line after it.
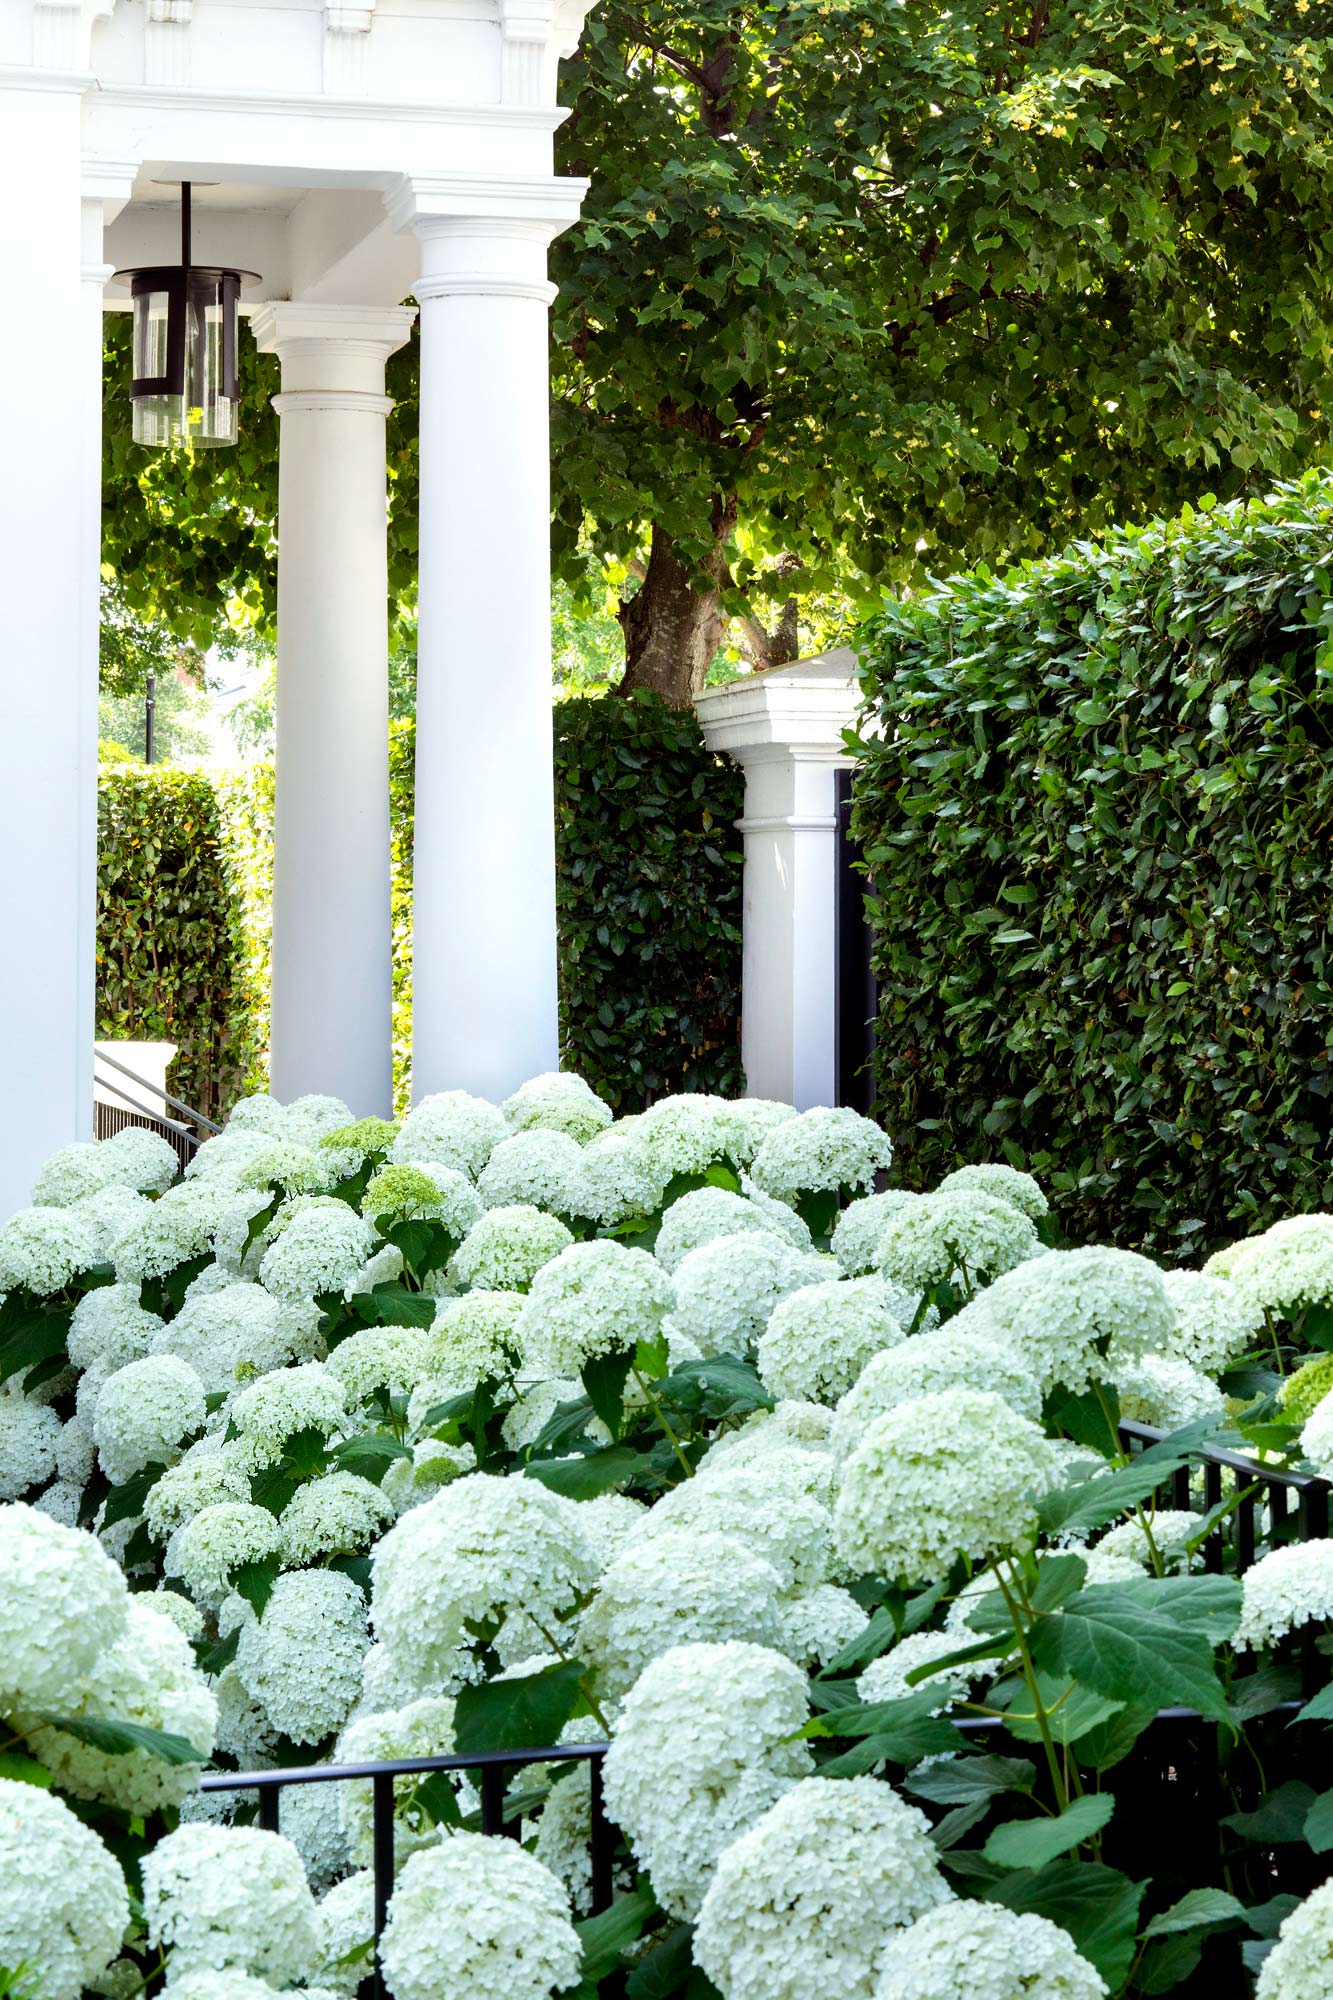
x,y
981,1951
564,1837
71,1173
885,1679
475,1915
824,1151
504,1251
422,1188
471,1338
311,1818
706,1213
1281,1271
1103,1565
860,1227
620,1177
258,1113
947,1475
688,1133
806,1427
726,1289
611,1519
1317,1437
536,1405
29,1437
44,1249
1009,1183
1080,1315
815,1624
954,1230
347,1922
1161,1390
302,1661
109,1214
805,1902
144,1412
315,1116
481,1548
172,1231
292,1167
558,1101
231,1897
593,1299
230,1984
267,1412
221,1333
409,1482
138,1158
61,1502
336,1514
421,1728
1216,1320
819,1338
244,1731
184,1614
223,1158
319,1251
379,1357
219,1539
675,1589
782,1219
108,1324
948,1357
76,1451
147,1677
770,1503
63,1903
453,1129
62,1601
1287,1588
537,1165
703,1746
1171,1529
199,1480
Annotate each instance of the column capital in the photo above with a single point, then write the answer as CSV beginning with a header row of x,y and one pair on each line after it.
x,y
283,326
795,714
436,204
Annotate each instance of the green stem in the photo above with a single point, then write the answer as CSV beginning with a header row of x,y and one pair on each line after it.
x,y
1030,1676
671,1437
588,1695
1277,1345
1118,1451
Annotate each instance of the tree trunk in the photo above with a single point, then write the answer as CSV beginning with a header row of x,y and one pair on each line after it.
x,y
671,629
779,647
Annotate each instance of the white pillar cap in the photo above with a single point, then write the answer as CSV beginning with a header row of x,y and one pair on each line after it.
x,y
798,711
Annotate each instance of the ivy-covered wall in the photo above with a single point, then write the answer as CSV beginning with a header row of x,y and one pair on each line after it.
x,y
648,898
1099,820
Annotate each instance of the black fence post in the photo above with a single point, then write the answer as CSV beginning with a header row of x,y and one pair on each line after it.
x,y
856,999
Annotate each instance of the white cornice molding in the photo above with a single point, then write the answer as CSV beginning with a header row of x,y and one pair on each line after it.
x,y
788,713
159,97
23,76
282,325
419,200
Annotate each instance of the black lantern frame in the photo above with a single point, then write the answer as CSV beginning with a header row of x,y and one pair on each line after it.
x,y
199,298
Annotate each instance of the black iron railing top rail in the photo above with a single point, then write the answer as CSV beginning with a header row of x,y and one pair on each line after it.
x,y
1297,1502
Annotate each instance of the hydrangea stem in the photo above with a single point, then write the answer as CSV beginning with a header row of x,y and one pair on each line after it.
x,y
1030,1676
657,1411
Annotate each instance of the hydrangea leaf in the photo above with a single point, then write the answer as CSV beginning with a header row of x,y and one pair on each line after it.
x,y
1148,1641
118,1739
523,1714
586,1477
1199,1909
1279,1817
1031,1843
1098,1906
963,1779
608,1936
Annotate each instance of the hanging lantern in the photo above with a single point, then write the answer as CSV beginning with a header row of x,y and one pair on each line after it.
x,y
185,390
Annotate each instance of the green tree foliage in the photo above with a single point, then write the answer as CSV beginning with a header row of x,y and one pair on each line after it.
x,y
1096,822
648,872
861,286
862,289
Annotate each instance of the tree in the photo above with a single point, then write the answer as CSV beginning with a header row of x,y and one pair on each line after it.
x,y
859,287
868,289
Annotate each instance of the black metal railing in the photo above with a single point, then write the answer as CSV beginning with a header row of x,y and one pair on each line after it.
x,y
186,1137
856,999
1296,1502
491,1767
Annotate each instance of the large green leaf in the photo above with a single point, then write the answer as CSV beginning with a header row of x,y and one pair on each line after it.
x,y
1031,1843
606,1937
1093,1502
961,1780
1144,1642
118,1739
719,1387
1280,1816
523,1714
30,1333
586,1477
1198,1909
124,1503
1098,1906
604,1378
393,1305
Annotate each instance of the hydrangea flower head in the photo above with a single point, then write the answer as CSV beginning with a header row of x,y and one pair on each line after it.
x,y
43,1250
63,1903
981,1951
706,1213
222,1538
302,1661
472,1338
619,1177
173,1231
1302,1392
815,1624
726,1289
1216,1321
231,1897
71,1173
293,1168
421,1728
1286,1268
143,1413
770,1502
1081,1315
955,1230
267,1412
504,1251
702,1747
453,1129
320,1250
200,1479
478,1916
948,1357
1289,1587
1162,1390
108,1324
805,1902
62,1601
558,1102
538,1165
861,1225
823,1151
404,1192
675,1588
29,1438
946,1475
233,1330
336,1514
820,1337
1009,1183
379,1357
593,1299
692,1131
363,1136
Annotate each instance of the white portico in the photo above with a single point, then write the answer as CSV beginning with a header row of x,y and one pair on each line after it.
x,y
375,163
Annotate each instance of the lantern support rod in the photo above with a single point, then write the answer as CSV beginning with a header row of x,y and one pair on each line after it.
x,y
186,245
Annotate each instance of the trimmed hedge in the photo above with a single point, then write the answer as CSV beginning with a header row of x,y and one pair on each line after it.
x,y
648,897
1099,821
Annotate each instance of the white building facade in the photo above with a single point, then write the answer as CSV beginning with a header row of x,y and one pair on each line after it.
x,y
377,164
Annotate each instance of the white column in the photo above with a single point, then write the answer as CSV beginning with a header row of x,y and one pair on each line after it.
x,y
785,728
51,364
332,943
484,939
